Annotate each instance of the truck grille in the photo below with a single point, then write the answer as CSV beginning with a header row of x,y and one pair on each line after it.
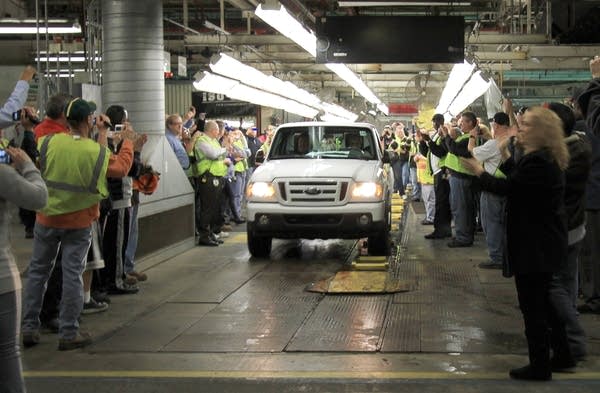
x,y
313,191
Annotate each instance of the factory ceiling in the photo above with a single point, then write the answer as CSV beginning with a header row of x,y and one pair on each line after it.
x,y
535,50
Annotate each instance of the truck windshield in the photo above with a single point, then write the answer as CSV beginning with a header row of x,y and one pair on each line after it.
x,y
339,142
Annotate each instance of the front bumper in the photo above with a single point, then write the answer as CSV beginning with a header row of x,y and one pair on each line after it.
x,y
336,222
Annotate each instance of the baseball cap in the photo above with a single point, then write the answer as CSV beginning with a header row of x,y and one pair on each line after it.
x,y
501,119
79,109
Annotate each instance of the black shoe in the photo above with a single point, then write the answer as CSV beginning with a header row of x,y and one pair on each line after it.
x,y
426,222
207,242
93,307
239,221
101,296
528,373
455,243
30,338
435,235
490,265
29,233
563,365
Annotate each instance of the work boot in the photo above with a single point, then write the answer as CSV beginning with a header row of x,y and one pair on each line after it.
x,y
30,338
79,341
530,374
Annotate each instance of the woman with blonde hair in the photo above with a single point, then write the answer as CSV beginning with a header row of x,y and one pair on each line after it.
x,y
536,234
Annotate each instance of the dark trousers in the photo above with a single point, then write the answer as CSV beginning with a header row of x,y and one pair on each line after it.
x,y
114,245
198,207
210,189
544,329
27,218
443,216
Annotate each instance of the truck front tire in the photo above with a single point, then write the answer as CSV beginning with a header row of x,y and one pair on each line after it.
x,y
259,246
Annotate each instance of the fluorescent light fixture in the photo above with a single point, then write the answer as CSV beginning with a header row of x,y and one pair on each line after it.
x,y
402,3
384,109
458,76
212,83
471,91
228,66
28,26
350,77
64,57
338,111
282,21
234,89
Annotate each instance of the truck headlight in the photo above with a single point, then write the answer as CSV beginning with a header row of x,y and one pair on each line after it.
x,y
367,191
260,191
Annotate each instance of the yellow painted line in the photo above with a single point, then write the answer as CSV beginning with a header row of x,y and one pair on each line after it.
x,y
457,375
237,238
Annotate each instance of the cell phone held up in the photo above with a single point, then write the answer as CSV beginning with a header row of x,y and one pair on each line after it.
x,y
4,157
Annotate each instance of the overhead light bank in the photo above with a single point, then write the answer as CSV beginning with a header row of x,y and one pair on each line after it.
x,y
296,100
277,17
28,26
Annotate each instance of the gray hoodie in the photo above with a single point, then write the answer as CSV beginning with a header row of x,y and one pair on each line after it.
x,y
25,188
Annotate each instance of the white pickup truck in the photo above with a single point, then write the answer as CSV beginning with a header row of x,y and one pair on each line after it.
x,y
321,181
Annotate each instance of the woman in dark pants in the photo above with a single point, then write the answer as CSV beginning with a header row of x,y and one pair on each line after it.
x,y
536,230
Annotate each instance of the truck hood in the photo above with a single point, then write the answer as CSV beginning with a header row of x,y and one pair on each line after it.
x,y
358,170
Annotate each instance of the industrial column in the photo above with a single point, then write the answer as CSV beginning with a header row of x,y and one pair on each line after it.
x,y
133,76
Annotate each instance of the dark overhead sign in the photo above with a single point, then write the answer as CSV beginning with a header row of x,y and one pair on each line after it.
x,y
390,39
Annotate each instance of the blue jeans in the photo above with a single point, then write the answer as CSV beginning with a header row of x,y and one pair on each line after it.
x,y
416,186
129,261
11,380
405,175
238,192
493,222
463,208
429,201
74,244
563,296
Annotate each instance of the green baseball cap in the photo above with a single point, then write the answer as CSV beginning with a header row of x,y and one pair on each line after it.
x,y
79,109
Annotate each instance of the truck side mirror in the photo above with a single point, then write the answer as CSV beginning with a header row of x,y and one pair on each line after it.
x,y
260,157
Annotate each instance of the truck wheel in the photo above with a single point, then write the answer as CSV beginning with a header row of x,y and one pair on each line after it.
x,y
259,246
379,244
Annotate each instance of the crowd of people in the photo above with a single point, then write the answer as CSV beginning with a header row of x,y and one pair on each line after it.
x,y
531,182
218,161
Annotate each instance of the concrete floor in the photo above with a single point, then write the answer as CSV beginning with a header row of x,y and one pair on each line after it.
x,y
215,320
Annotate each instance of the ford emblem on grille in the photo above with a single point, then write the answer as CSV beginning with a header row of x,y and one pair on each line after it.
x,y
312,191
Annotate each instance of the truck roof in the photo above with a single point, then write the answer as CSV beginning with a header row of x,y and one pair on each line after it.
x,y
325,123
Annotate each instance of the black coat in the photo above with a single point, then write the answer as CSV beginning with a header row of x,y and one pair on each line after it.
x,y
576,176
536,222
